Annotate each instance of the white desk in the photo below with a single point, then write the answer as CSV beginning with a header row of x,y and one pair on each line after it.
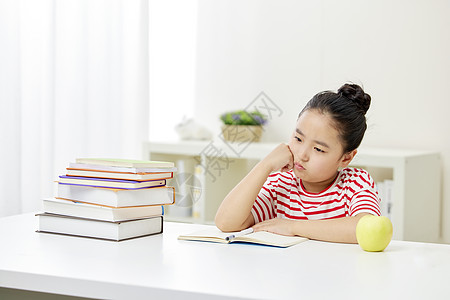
x,y
161,267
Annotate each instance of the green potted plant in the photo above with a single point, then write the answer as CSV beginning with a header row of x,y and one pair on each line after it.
x,y
242,126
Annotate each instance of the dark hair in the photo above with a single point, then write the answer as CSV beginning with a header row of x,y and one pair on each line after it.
x,y
347,109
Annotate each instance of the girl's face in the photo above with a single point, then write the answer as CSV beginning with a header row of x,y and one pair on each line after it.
x,y
317,151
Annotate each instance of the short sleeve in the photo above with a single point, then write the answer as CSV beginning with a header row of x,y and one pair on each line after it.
x,y
263,208
365,198
365,201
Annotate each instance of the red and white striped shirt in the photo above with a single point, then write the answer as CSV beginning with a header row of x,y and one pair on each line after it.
x,y
283,196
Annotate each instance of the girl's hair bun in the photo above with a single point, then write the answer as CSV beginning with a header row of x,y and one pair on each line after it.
x,y
356,94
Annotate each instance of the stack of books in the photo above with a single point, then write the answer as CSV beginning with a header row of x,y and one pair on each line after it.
x,y
113,199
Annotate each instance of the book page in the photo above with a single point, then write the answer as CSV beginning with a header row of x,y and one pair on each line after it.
x,y
272,239
210,235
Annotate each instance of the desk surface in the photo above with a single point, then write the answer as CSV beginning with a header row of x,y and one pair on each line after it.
x,y
162,267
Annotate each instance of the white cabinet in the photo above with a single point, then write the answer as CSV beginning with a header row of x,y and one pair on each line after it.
x,y
416,179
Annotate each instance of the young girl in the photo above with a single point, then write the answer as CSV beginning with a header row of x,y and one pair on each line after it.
x,y
305,187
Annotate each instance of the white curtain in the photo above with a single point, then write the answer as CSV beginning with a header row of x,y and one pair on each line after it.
x,y
73,83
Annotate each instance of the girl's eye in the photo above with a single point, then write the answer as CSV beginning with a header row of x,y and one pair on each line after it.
x,y
319,150
298,139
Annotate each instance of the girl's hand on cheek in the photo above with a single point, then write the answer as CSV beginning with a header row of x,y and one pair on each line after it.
x,y
280,158
277,225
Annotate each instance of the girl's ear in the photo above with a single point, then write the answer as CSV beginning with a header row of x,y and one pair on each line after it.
x,y
347,158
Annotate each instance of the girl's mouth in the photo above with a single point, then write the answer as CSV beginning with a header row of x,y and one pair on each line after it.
x,y
299,166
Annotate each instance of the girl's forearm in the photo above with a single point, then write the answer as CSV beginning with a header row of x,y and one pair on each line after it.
x,y
235,210
342,230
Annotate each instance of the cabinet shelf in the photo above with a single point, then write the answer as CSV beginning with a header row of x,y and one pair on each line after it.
x,y
416,179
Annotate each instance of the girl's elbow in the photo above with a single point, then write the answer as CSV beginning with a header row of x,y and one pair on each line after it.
x,y
222,223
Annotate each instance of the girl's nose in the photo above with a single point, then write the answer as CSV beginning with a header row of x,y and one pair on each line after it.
x,y
303,155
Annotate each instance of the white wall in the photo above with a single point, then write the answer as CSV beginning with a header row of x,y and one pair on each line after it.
x,y
172,41
399,51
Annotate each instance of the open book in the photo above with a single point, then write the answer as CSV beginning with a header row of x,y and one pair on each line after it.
x,y
260,237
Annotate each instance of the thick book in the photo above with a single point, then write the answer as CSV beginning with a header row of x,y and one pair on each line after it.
x,y
260,237
100,212
115,231
119,175
119,169
110,183
117,197
131,163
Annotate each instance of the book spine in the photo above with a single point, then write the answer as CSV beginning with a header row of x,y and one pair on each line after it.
x,y
112,187
104,179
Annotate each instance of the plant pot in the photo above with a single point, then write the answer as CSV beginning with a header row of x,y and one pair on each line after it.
x,y
242,133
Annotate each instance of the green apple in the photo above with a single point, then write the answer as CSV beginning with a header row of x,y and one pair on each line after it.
x,y
374,233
